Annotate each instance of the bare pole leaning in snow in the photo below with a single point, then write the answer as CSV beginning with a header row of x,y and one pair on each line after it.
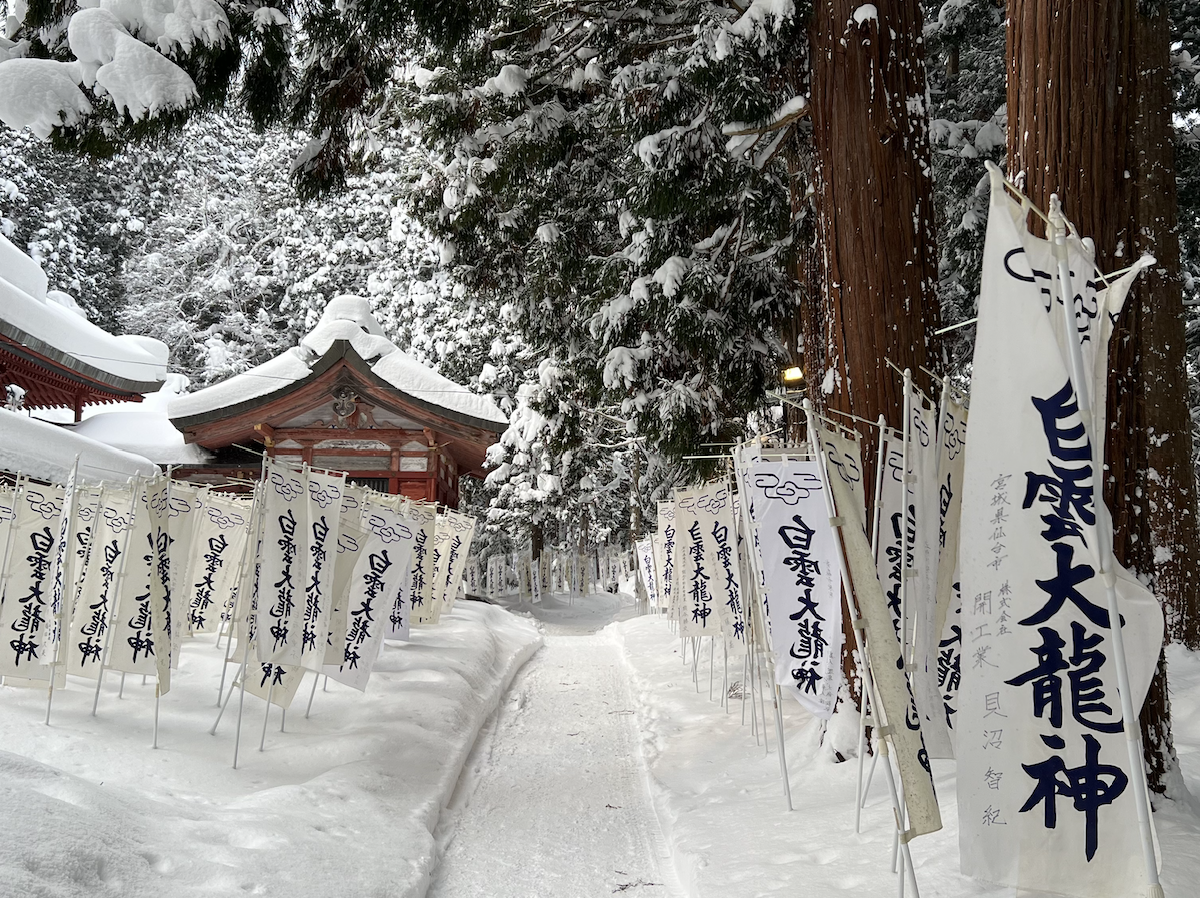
x,y
1058,227
135,485
868,682
861,791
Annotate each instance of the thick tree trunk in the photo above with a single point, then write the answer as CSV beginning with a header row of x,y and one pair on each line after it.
x,y
874,200
1089,119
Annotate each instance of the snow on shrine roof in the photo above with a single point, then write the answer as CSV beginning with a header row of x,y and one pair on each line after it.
x,y
346,318
33,317
47,452
143,428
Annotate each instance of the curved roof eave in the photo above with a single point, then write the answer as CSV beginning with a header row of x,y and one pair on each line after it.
x,y
338,350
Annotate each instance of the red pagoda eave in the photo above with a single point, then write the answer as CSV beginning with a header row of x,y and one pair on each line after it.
x,y
51,384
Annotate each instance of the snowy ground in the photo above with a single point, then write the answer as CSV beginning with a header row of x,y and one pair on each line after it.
x,y
604,770
344,803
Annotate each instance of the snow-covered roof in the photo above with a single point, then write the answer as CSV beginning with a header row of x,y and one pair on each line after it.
x,y
47,452
143,428
41,320
346,318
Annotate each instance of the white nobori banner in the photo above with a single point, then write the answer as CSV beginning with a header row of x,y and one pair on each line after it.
x,y
1045,798
801,576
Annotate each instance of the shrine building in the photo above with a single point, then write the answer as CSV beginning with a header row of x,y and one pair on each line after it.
x,y
345,399
54,357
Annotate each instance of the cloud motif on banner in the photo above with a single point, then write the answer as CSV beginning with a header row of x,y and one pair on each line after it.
x,y
288,487
47,508
323,495
7,513
790,491
85,513
157,501
180,505
921,428
954,436
847,467
347,543
224,520
459,524
895,462
387,532
117,522
349,503
709,502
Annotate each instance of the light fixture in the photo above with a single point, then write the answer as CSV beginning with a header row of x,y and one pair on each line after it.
x,y
792,376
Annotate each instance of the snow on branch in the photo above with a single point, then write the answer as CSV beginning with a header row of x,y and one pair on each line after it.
x,y
111,41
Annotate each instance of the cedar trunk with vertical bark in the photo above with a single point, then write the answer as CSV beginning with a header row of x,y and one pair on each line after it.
x,y
1089,106
874,200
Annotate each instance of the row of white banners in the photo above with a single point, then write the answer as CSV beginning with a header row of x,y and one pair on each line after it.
x,y
557,572
985,621
313,573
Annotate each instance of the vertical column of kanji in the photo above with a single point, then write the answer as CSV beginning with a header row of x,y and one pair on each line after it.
x,y
29,582
1043,800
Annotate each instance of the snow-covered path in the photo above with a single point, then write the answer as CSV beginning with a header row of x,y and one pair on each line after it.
x,y
554,801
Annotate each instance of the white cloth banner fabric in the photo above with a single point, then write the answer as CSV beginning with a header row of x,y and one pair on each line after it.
x,y
952,442
280,589
462,532
221,534
421,573
645,553
710,515
892,688
1044,793
666,572
28,582
133,644
162,622
471,578
111,532
889,551
392,524
379,572
186,505
319,557
61,572
352,539
694,570
801,572
921,611
439,562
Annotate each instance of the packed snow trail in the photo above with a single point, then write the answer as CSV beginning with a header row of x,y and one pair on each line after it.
x,y
553,802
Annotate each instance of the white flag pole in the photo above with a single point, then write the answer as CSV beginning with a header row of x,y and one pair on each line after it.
x,y
868,682
1104,548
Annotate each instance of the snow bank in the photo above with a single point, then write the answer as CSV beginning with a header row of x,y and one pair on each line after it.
x,y
720,797
346,318
47,452
343,803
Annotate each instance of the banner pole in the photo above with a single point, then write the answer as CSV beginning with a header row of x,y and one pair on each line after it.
x,y
311,695
906,571
868,681
1104,551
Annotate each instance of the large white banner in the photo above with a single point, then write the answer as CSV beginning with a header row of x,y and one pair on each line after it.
x,y
280,589
462,531
319,547
352,539
379,571
889,545
393,523
29,582
803,583
1045,797
62,568
162,620
645,554
953,439
221,534
666,565
694,569
707,516
921,611
421,574
185,509
111,532
134,639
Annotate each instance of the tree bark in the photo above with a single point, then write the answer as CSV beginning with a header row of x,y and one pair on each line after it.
x,y
1089,119
874,200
